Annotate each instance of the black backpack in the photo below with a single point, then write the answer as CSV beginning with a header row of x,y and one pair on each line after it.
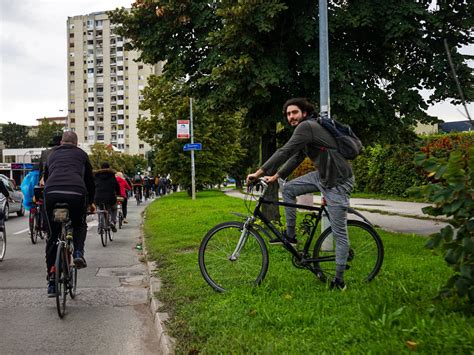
x,y
347,142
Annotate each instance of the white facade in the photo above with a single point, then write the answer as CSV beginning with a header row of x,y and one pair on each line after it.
x,y
104,84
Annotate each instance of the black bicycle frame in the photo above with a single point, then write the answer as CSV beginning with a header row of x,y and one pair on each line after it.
x,y
300,257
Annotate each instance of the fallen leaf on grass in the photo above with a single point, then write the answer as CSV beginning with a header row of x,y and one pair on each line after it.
x,y
411,345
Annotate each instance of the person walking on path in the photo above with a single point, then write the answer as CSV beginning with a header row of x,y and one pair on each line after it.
x,y
68,179
106,191
124,187
333,178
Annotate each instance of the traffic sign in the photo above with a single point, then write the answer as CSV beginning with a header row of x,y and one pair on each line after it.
x,y
182,130
192,146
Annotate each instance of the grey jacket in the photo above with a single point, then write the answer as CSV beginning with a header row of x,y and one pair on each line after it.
x,y
307,139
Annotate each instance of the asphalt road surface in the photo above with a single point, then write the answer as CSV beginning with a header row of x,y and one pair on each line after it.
x,y
109,315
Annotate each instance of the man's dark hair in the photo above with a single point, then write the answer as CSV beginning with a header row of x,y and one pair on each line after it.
x,y
105,165
303,104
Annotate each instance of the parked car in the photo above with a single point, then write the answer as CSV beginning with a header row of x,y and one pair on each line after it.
x,y
17,197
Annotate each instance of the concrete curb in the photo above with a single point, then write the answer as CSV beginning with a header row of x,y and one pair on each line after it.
x,y
159,318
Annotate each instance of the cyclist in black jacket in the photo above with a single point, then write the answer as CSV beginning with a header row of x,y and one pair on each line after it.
x,y
106,191
68,179
5,193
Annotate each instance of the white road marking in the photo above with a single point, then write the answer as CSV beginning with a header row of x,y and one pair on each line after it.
x,y
22,231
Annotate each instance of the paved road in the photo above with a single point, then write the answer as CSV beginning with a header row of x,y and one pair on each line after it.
x,y
109,315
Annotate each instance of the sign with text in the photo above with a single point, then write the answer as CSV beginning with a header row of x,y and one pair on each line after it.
x,y
192,146
182,131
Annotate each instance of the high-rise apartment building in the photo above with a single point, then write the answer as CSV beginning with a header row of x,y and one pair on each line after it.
x,y
104,84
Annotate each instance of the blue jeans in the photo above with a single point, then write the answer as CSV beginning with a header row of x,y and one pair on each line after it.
x,y
337,199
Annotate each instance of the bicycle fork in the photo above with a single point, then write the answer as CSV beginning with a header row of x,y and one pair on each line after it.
x,y
242,240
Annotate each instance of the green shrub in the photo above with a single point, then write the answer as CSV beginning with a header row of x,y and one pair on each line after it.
x,y
391,169
452,195
387,170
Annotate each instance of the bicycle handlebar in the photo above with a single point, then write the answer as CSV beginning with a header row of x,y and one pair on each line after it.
x,y
258,184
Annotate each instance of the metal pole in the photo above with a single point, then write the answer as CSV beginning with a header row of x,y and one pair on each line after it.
x,y
324,90
323,59
193,173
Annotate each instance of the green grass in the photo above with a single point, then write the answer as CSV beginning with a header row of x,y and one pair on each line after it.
x,y
291,312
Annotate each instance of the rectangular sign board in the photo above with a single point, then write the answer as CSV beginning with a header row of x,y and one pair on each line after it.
x,y
192,146
182,129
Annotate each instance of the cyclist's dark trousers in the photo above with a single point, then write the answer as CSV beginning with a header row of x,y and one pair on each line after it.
x,y
77,214
138,189
124,207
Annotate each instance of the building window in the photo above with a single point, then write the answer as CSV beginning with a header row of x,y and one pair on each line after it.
x,y
141,146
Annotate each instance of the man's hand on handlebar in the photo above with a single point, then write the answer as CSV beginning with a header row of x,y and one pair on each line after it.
x,y
251,178
271,179
254,176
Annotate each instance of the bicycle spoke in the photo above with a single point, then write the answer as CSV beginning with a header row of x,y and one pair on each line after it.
x,y
220,271
365,253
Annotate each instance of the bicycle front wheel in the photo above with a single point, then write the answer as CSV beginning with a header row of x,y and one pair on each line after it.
x,y
32,225
220,270
365,258
3,242
61,280
72,281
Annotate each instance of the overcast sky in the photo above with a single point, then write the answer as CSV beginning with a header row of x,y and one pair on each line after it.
x,y
33,48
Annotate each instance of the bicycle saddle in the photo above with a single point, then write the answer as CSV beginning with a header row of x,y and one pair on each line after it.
x,y
61,212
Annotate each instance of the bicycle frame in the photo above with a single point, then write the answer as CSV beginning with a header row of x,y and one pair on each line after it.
x,y
302,258
106,220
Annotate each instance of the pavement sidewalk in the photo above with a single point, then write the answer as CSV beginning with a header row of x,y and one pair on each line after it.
x,y
394,216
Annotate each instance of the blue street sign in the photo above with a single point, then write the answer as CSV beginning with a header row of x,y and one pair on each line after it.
x,y
192,146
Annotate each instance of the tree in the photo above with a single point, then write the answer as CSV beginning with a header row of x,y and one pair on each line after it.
x,y
218,134
257,54
15,136
118,161
46,131
254,55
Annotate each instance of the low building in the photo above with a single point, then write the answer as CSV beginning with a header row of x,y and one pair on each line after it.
x,y
457,126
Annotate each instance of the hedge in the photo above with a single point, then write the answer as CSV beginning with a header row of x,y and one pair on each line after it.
x,y
391,170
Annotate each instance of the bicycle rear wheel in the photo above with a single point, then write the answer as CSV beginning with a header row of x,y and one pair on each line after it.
x,y
3,242
120,219
32,225
110,234
102,232
61,280
366,253
224,274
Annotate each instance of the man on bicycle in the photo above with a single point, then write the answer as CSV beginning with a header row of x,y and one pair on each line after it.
x,y
138,185
333,177
106,191
68,179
